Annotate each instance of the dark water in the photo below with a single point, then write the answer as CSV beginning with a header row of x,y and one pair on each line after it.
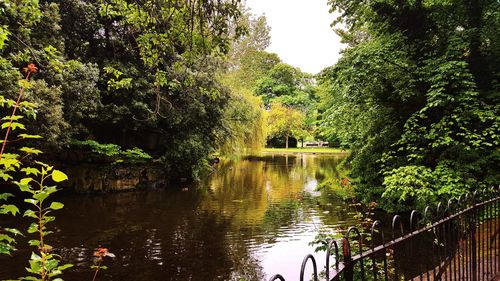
x,y
251,219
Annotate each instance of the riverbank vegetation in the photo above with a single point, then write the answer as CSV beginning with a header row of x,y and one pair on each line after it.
x,y
413,98
413,102
318,150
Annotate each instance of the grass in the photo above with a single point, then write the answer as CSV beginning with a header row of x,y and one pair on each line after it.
x,y
305,150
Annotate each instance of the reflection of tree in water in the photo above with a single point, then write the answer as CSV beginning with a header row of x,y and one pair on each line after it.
x,y
154,235
194,235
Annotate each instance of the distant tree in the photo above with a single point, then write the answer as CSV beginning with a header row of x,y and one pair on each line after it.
x,y
285,121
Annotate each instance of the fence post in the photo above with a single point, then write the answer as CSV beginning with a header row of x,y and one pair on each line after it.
x,y
346,251
473,239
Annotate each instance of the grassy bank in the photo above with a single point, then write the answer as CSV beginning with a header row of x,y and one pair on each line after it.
x,y
326,150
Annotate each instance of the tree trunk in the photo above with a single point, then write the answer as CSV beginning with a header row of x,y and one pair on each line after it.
x,y
286,141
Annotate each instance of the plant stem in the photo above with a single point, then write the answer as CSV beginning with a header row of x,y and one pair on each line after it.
x,y
96,270
21,93
40,231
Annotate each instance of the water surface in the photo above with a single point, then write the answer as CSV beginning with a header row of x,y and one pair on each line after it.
x,y
250,219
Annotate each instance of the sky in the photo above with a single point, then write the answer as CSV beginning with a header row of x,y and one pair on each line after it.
x,y
300,32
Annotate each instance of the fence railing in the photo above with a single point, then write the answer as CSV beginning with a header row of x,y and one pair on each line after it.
x,y
458,240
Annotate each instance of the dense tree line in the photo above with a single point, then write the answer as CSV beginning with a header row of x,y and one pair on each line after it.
x,y
415,96
132,73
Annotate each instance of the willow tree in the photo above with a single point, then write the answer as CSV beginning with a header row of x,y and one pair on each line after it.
x,y
247,62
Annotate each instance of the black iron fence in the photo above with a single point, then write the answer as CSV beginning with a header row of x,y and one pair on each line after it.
x,y
458,240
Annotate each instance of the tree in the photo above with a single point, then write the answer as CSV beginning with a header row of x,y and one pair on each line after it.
x,y
408,96
122,72
285,121
247,62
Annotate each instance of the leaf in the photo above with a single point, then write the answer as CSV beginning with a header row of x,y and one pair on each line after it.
x,y
5,249
30,150
13,118
51,264
33,228
56,206
59,176
34,243
5,209
30,171
5,237
31,201
25,181
41,195
5,176
27,136
35,257
13,125
4,196
65,266
14,231
30,213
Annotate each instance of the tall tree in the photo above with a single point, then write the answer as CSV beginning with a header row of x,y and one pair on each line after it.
x,y
135,74
247,62
409,97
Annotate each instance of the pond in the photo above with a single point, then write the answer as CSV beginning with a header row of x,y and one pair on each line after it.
x,y
250,219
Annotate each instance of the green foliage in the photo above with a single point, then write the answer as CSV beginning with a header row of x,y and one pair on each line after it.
x,y
244,117
44,265
133,155
414,98
286,122
146,72
52,123
10,163
286,84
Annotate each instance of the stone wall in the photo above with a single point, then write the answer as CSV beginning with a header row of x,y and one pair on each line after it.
x,y
105,178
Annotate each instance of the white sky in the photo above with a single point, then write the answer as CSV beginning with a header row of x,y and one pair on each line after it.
x,y
300,32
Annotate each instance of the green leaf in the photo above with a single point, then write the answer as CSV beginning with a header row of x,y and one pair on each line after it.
x,y
28,171
5,209
13,125
59,176
5,237
42,195
35,257
14,118
34,243
51,264
25,181
65,266
5,176
30,150
30,213
27,136
14,231
4,196
56,206
33,228
5,249
31,201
